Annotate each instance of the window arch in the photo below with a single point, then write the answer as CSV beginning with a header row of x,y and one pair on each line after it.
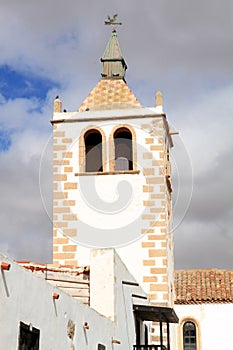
x,y
189,336
93,151
123,149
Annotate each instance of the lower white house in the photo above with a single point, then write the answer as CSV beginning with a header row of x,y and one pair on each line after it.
x,y
102,307
204,303
40,310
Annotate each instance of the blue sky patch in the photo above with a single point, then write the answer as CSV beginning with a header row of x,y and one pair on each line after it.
x,y
5,140
15,84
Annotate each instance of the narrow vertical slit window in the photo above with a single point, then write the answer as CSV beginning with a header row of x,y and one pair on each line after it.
x,y
189,336
123,149
93,151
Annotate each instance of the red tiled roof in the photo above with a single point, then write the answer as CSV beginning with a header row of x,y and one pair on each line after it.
x,y
204,286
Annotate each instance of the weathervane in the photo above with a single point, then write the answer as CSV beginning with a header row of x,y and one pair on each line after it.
x,y
112,22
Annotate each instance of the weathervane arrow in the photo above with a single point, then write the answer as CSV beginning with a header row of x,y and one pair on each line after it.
x,y
112,21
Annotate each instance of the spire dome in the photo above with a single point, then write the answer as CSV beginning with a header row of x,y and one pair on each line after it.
x,y
113,63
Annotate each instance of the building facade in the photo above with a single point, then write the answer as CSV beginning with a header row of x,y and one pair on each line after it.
x,y
204,303
111,284
40,310
112,184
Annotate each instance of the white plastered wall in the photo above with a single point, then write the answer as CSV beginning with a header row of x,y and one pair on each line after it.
x,y
214,322
106,188
28,298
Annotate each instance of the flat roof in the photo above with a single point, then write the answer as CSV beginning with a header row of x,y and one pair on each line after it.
x,y
146,112
155,313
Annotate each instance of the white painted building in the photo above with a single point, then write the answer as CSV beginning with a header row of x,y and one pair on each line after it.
x,y
204,304
112,189
88,192
27,299
112,180
38,315
34,317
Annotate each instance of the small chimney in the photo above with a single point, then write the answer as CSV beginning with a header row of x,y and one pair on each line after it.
x,y
57,105
158,99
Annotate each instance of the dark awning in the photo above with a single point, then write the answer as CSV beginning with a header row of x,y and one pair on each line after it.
x,y
155,313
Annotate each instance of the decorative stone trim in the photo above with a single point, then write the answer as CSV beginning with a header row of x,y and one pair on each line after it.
x,y
180,332
118,172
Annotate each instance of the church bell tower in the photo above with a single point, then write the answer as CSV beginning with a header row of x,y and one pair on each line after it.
x,y
112,185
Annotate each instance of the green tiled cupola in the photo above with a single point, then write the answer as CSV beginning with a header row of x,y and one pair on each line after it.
x,y
113,63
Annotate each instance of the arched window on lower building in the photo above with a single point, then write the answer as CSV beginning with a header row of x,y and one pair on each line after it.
x,y
123,149
189,336
93,151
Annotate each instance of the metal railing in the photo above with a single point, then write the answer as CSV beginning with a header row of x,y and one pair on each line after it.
x,y
149,347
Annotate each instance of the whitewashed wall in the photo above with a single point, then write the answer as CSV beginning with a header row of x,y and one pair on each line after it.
x,y
28,298
111,294
214,324
121,228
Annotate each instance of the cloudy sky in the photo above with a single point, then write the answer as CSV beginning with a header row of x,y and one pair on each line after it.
x,y
183,48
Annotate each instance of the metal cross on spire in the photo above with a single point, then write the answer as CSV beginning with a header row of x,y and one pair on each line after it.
x,y
112,22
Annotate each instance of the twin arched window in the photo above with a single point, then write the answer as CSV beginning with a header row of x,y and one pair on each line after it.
x,y
189,336
93,151
123,149
122,154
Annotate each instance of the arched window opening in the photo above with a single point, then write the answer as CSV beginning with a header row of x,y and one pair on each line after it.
x,y
189,336
123,149
93,151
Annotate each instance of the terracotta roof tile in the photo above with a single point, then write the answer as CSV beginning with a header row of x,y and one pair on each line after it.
x,y
204,286
110,94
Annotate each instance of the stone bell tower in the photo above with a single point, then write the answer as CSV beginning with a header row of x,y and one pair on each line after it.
x,y
112,185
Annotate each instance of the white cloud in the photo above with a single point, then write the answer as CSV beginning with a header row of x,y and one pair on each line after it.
x,y
208,225
206,127
25,227
183,49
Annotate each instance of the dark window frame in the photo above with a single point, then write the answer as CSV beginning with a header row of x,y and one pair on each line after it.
x,y
189,330
29,337
93,142
123,149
